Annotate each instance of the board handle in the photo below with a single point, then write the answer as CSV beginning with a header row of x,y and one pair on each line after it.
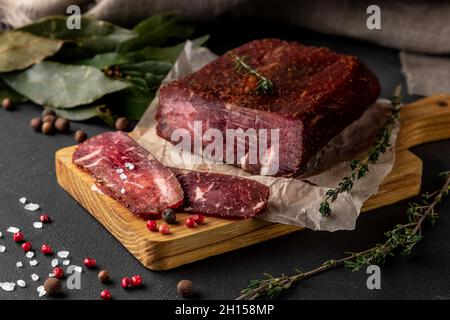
x,y
424,121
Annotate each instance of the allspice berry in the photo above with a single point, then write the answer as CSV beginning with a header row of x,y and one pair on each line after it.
x,y
53,286
48,127
185,288
36,123
7,104
49,118
80,136
103,276
48,111
122,124
62,125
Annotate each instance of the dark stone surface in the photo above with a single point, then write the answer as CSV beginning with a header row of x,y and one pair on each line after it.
x,y
27,169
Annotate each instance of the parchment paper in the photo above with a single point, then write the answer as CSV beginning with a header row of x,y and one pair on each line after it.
x,y
293,201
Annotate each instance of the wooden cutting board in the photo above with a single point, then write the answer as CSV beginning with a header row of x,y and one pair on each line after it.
x,y
422,121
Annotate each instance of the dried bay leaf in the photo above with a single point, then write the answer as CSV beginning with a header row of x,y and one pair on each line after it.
x,y
156,31
103,60
62,86
19,50
8,92
94,36
131,102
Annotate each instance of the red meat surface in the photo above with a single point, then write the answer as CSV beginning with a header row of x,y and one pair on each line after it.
x,y
317,93
128,173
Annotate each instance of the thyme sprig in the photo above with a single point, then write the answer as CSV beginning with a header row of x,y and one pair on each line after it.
x,y
359,168
264,85
402,238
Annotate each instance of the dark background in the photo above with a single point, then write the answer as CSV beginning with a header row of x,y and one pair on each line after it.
x,y
27,169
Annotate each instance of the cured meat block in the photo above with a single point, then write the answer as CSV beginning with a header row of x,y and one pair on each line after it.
x,y
221,195
128,173
317,93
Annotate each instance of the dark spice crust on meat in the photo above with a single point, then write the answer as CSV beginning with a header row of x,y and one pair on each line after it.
x,y
317,93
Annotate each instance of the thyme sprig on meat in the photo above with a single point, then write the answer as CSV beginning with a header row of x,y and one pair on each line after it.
x,y
361,167
264,85
401,239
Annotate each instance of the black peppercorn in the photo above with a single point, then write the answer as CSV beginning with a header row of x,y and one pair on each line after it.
x,y
103,276
169,216
49,118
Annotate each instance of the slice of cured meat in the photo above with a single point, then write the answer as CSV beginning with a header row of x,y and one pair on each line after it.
x,y
128,173
222,195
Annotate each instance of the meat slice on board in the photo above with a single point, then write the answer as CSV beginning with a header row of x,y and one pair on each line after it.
x,y
127,172
222,195
317,93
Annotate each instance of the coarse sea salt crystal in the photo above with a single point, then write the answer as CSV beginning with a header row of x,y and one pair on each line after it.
x,y
123,176
63,254
21,283
34,277
129,165
54,262
119,170
42,293
37,225
31,206
19,264
12,230
8,286
66,262
51,275
23,200
33,263
122,190
40,289
29,254
2,249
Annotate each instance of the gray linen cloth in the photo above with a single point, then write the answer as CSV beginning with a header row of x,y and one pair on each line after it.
x,y
415,27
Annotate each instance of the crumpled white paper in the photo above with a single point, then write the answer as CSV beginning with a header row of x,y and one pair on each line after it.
x,y
293,201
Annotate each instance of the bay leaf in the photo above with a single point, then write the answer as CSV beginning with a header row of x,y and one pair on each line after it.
x,y
7,92
156,31
169,54
152,66
62,86
94,36
19,50
131,102
103,60
87,112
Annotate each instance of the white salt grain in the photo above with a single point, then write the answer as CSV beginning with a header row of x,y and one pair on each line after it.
x,y
129,166
37,225
54,262
122,190
119,170
34,277
66,262
19,264
13,229
123,176
23,200
42,293
2,249
40,289
77,269
21,283
51,275
1,235
33,263
63,254
31,206
8,286
29,254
